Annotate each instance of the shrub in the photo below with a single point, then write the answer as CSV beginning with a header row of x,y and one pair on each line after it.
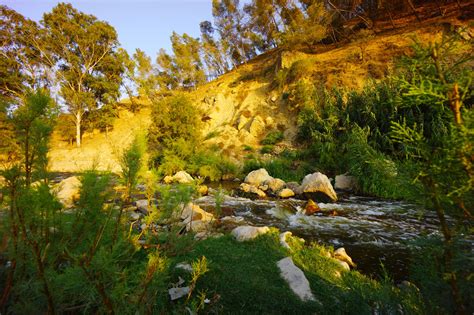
x,y
272,138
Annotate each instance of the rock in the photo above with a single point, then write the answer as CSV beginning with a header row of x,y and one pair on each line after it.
x,y
275,184
134,216
340,254
295,279
180,177
68,191
184,266
345,182
344,265
231,220
199,226
247,232
142,206
257,126
193,212
203,190
257,177
311,207
295,187
286,193
177,293
318,183
249,189
283,237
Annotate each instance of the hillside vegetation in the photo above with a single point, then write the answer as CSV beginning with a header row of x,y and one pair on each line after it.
x,y
261,96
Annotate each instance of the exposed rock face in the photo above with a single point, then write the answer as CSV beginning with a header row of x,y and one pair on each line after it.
x,y
296,279
318,183
250,189
311,207
247,232
68,191
345,182
286,193
341,255
258,177
180,177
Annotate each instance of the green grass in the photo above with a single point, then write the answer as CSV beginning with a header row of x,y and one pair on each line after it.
x,y
246,279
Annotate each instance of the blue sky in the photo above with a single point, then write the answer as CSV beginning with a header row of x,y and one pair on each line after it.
x,y
144,24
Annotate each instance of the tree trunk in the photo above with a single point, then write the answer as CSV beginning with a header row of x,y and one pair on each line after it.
x,y
78,129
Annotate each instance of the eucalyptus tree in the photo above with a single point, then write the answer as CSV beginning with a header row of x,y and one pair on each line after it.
x,y
184,69
83,50
211,51
229,21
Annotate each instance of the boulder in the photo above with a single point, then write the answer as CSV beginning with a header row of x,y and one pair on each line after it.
x,y
283,237
177,293
193,212
318,183
275,184
142,205
247,232
311,207
345,182
249,189
295,187
257,177
344,265
68,191
203,190
286,193
296,279
180,177
341,255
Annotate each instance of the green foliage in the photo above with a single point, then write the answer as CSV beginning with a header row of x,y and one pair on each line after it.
x,y
298,70
266,149
430,274
273,137
131,163
176,119
89,78
33,122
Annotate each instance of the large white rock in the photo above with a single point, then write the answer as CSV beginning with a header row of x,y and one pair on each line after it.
x,y
257,177
68,191
247,232
318,182
345,182
296,279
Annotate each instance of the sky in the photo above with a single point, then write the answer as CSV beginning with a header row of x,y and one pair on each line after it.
x,y
144,24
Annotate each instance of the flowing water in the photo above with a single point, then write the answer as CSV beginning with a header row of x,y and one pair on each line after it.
x,y
372,231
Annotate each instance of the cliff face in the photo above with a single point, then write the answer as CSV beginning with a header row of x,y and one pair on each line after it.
x,y
242,106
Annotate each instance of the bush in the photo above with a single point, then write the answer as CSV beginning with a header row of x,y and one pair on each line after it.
x,y
273,137
175,119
